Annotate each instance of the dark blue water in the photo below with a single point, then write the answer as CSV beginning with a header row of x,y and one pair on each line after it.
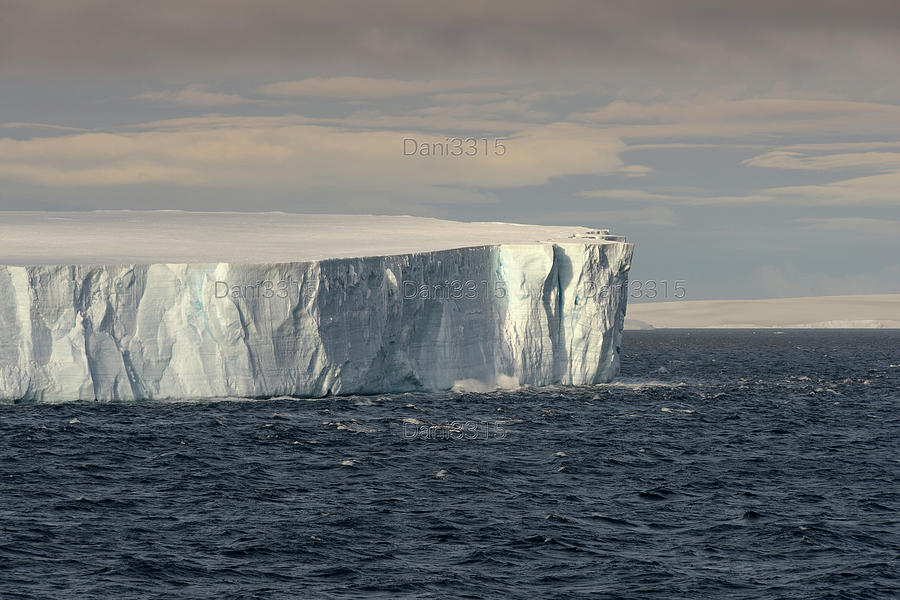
x,y
729,464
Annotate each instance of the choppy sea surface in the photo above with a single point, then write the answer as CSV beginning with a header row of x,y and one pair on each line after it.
x,y
722,464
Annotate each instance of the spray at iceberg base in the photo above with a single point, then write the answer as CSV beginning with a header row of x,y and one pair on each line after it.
x,y
338,326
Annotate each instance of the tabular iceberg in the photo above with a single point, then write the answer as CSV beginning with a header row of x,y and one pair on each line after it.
x,y
538,312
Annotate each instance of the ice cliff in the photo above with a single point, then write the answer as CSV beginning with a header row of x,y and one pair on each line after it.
x,y
538,313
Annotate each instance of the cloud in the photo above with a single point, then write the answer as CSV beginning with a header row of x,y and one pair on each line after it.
x,y
369,87
780,159
514,110
193,95
410,36
698,199
841,146
636,170
851,225
727,109
435,121
765,120
39,126
874,190
291,153
744,118
871,190
469,97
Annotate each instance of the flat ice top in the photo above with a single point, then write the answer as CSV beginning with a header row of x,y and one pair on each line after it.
x,y
858,311
124,237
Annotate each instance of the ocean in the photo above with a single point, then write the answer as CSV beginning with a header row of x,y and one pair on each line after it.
x,y
721,464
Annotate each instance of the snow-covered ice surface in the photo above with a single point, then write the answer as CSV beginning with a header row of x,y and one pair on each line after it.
x,y
822,312
122,236
122,305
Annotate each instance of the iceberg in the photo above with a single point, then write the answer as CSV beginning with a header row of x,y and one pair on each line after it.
x,y
133,305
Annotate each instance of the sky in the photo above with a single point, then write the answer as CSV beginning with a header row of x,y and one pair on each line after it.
x,y
748,149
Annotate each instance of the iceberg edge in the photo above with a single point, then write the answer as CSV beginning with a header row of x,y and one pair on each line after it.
x,y
533,313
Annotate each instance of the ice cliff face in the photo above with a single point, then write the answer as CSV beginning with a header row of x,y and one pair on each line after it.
x,y
539,314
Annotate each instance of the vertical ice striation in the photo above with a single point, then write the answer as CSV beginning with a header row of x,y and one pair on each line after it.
x,y
538,314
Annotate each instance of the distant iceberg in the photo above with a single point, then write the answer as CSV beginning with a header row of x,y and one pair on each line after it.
x,y
403,304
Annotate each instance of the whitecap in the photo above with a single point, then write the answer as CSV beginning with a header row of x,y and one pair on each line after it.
x,y
637,384
500,382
